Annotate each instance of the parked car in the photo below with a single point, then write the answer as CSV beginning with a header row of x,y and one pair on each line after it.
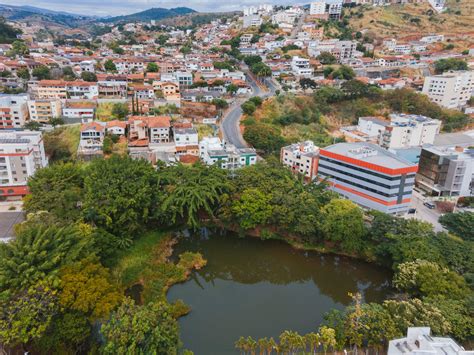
x,y
430,205
411,210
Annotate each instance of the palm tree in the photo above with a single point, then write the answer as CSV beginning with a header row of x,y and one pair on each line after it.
x,y
241,345
252,344
327,338
272,345
263,345
312,339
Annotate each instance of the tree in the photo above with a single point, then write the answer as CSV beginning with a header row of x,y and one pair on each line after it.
x,y
342,223
327,338
307,83
264,137
252,209
424,278
326,58
232,89
343,72
19,48
354,88
250,60
32,126
56,121
107,145
38,252
88,76
190,190
42,72
460,223
119,194
443,65
248,107
313,341
220,103
185,49
56,189
69,74
109,66
26,316
120,110
148,329
86,287
23,73
152,67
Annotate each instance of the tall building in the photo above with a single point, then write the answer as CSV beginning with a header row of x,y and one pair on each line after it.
x,y
13,111
451,90
317,7
368,175
21,154
301,158
44,110
446,170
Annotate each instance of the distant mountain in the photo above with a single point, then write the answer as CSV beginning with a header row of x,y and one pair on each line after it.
x,y
31,13
152,14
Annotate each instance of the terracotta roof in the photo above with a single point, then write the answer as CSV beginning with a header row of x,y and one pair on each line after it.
x,y
159,121
92,126
116,123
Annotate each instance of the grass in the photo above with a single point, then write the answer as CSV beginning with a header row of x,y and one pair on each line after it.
x,y
204,130
104,111
65,139
147,263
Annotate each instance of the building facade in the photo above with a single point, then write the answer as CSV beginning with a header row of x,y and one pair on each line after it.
x,y
44,110
446,171
13,111
368,175
451,90
301,158
212,151
21,154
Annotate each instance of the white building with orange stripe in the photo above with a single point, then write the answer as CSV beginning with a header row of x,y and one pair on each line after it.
x,y
368,175
21,154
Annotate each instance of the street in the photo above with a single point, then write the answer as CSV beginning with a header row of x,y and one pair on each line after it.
x,y
423,213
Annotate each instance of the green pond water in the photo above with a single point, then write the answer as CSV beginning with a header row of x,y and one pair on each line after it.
x,y
261,288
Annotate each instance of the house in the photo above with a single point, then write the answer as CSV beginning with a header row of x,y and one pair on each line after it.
x,y
85,110
91,139
186,140
82,90
213,151
116,127
159,129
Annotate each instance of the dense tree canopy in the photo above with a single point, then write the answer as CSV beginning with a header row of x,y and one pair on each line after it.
x,y
460,223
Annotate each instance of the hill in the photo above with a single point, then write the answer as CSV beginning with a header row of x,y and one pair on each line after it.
x,y
152,14
409,19
39,15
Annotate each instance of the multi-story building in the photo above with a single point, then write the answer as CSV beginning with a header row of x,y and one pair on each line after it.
x,y
301,158
301,67
112,89
21,154
85,110
82,90
44,110
317,7
451,90
446,170
92,138
186,140
13,111
160,129
368,175
213,151
252,21
334,9
409,131
51,90
184,79
419,341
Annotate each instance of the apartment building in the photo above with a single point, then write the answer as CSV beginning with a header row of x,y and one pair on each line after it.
x,y
112,89
252,21
184,79
149,130
451,90
446,170
51,90
301,67
334,9
21,154
82,90
92,138
44,110
213,151
85,110
368,175
317,8
13,111
301,158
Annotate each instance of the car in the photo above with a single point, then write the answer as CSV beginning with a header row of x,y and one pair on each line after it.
x,y
430,205
411,210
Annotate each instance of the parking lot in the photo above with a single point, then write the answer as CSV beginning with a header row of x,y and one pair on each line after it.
x,y
423,213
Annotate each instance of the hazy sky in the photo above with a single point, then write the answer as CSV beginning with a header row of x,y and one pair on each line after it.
x,y
121,7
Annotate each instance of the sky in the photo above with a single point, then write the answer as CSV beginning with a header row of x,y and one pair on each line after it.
x,y
122,7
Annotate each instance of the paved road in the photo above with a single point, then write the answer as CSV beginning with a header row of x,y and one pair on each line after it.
x,y
423,213
230,122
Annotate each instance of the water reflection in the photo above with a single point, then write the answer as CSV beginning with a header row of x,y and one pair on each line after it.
x,y
260,288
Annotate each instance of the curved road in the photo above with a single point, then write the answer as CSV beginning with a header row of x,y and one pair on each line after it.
x,y
230,122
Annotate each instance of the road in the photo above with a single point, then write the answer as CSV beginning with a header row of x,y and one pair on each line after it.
x,y
230,125
423,213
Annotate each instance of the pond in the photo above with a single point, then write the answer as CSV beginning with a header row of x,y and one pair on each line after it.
x,y
261,288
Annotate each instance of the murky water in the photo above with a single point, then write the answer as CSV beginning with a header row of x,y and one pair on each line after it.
x,y
261,288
